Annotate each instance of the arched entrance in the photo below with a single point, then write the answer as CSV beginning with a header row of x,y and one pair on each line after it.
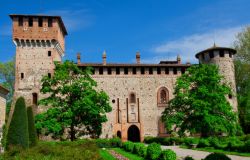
x,y
119,134
134,133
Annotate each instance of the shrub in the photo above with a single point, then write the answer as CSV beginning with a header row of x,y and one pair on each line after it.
x,y
153,151
137,147
108,143
31,127
246,147
115,142
234,144
216,143
190,141
142,151
168,154
128,146
18,129
203,143
188,158
217,156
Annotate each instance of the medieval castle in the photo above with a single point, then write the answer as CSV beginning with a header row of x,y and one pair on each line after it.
x,y
138,92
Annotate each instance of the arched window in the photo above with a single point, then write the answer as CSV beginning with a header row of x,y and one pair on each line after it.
x,y
132,98
162,96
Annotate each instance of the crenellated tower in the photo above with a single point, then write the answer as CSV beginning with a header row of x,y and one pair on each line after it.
x,y
223,58
39,41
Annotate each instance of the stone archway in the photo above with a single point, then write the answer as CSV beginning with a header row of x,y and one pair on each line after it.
x,y
133,133
119,134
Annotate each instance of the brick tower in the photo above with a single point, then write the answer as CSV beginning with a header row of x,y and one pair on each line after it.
x,y
39,41
223,58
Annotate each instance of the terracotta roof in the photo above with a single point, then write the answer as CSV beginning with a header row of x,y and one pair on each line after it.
x,y
47,16
5,90
131,65
215,48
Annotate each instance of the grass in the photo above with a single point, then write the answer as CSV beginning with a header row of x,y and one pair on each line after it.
x,y
219,151
78,150
106,155
127,154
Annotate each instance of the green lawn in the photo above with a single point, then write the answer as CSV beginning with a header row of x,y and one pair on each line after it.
x,y
106,155
127,154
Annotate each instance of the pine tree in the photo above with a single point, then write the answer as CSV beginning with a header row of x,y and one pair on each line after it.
x,y
18,134
31,127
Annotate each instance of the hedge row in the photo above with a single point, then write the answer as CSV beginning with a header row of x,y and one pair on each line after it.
x,y
239,144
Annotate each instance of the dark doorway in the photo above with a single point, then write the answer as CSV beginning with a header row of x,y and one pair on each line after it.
x,y
119,134
134,133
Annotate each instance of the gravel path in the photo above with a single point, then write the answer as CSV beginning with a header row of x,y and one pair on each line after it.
x,y
117,155
197,155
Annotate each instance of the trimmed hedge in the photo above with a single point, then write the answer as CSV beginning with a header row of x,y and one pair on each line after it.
x,y
108,143
31,127
217,156
18,134
153,151
168,154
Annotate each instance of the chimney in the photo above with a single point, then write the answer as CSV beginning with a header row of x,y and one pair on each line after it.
x,y
178,59
104,57
78,58
138,57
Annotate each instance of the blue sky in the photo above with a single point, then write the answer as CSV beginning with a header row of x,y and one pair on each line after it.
x,y
159,29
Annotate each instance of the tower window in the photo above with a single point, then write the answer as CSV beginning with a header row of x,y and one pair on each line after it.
x,y
30,21
158,70
230,96
142,70
50,22
34,98
125,70
117,70
211,54
49,75
222,54
150,70
40,21
49,53
101,70
22,75
175,70
166,70
109,70
20,21
132,98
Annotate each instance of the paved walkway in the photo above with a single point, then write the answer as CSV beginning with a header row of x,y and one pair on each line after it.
x,y
197,155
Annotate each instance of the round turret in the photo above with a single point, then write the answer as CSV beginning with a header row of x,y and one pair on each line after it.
x,y
223,58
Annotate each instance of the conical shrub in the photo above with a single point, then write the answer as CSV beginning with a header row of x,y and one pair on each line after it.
x,y
18,134
31,127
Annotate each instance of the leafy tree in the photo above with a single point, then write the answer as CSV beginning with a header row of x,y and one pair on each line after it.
x,y
18,129
31,127
200,104
76,105
7,78
242,72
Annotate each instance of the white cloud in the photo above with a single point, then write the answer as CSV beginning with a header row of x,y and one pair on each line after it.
x,y
188,46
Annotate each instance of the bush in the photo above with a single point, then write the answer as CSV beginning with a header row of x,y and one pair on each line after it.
x,y
203,143
18,134
216,143
137,147
188,158
246,147
143,151
153,151
234,144
190,141
168,154
128,146
31,127
217,156
108,143
115,142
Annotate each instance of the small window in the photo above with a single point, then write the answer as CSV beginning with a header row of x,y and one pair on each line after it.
x,y
40,21
125,70
49,53
222,53
158,70
20,21
134,70
49,75
22,75
117,70
30,21
150,70
50,22
230,54
175,70
109,71
34,98
166,70
230,96
211,54
101,70
132,98
142,70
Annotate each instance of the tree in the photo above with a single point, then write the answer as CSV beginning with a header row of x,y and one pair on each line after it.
x,y
242,72
31,127
18,129
7,78
200,104
75,104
